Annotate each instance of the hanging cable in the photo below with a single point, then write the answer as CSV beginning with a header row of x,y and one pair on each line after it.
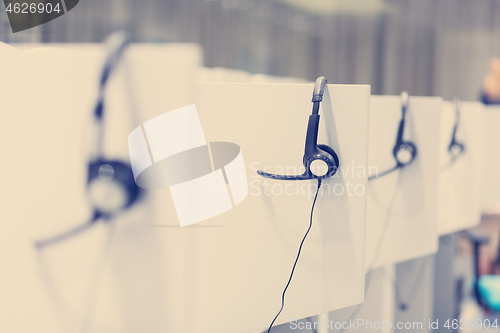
x,y
97,275
380,241
403,305
70,233
297,258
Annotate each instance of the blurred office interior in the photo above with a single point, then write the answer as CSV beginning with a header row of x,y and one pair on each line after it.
x,y
426,47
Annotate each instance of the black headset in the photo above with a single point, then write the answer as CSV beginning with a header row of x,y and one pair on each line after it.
x,y
315,155
404,152
456,148
110,183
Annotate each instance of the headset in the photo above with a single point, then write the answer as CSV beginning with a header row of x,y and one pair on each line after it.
x,y
320,161
111,187
456,148
404,151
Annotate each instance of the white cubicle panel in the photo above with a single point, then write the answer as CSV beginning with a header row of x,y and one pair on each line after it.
x,y
230,75
263,78
459,198
376,313
47,97
490,192
237,264
402,205
220,74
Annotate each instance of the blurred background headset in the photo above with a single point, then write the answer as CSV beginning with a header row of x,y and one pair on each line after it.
x,y
456,148
111,187
404,151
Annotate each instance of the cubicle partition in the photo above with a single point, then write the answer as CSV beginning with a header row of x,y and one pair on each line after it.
x,y
112,277
402,205
244,257
460,148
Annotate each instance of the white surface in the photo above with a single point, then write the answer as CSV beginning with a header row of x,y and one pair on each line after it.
x,y
201,198
236,177
412,226
174,132
230,75
138,152
47,99
490,192
240,261
219,74
459,195
377,308
415,283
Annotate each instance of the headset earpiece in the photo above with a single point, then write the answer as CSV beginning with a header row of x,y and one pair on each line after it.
x,y
331,163
320,161
332,153
111,186
455,147
404,152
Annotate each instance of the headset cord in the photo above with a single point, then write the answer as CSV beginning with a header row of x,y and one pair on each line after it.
x,y
296,259
69,233
97,275
380,175
380,242
449,164
403,305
